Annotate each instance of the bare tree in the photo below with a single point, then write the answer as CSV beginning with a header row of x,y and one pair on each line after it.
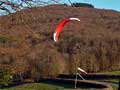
x,y
16,5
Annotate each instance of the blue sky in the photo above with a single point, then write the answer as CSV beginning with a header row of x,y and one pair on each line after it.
x,y
103,4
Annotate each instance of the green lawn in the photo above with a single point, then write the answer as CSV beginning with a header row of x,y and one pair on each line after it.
x,y
112,80
57,86
46,86
109,81
115,88
112,72
36,86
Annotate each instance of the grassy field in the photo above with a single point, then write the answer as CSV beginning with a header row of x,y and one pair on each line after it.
x,y
45,86
111,80
59,86
113,72
37,86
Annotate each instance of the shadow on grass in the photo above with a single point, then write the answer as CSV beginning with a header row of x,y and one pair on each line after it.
x,y
64,85
67,84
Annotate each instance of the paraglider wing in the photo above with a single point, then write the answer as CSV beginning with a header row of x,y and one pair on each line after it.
x,y
60,26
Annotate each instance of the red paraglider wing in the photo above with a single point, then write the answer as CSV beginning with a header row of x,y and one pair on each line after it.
x,y
60,26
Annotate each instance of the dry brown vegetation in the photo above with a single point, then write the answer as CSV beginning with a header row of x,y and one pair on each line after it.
x,y
26,40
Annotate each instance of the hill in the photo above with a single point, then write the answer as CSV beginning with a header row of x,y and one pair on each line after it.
x,y
27,46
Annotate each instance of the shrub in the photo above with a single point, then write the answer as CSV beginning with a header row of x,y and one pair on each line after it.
x,y
5,74
82,5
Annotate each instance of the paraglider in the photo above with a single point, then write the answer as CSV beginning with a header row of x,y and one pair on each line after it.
x,y
56,37
61,25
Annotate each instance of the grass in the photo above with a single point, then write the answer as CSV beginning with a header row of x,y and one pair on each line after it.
x,y
59,86
115,88
109,81
36,86
112,72
112,80
46,86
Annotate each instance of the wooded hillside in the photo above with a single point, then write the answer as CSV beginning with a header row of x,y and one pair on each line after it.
x,y
27,46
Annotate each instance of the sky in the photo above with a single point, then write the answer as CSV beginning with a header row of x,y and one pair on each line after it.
x,y
102,4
